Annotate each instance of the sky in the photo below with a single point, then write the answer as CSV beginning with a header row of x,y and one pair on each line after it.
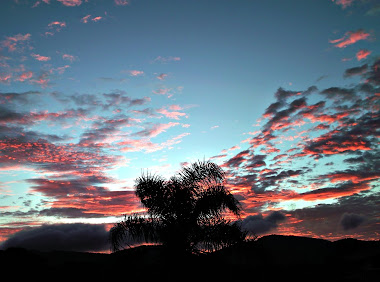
x,y
283,95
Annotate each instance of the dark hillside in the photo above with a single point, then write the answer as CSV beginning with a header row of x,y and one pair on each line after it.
x,y
268,258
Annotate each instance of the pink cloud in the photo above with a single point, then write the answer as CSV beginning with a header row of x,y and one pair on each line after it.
x,y
135,72
85,19
57,24
362,54
172,115
349,38
11,42
96,19
166,59
156,129
164,91
42,80
343,3
175,107
71,3
40,58
68,57
24,76
4,78
121,2
162,76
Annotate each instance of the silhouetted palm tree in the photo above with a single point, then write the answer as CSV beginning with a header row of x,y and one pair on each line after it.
x,y
184,213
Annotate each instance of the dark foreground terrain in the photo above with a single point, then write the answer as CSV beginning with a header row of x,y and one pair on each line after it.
x,y
267,259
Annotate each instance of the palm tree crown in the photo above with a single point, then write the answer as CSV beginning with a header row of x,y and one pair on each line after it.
x,y
184,213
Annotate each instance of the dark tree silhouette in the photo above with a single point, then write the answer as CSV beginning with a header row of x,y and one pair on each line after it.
x,y
184,213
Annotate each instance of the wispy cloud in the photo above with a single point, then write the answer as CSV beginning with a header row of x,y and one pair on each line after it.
x,y
349,38
87,18
168,59
162,76
70,58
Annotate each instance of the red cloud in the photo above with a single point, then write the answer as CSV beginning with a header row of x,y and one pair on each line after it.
x,y
353,176
362,54
349,38
346,189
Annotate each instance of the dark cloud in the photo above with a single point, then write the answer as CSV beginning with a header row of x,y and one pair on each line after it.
x,y
281,119
351,220
323,219
66,237
258,224
256,161
356,71
237,160
373,74
22,98
68,213
338,93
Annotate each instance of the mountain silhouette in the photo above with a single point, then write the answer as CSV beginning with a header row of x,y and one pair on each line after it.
x,y
269,257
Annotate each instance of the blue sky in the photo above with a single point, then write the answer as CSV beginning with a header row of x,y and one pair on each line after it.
x,y
282,94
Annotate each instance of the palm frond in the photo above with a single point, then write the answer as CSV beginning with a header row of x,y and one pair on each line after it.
x,y
213,201
132,230
201,173
152,191
219,233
